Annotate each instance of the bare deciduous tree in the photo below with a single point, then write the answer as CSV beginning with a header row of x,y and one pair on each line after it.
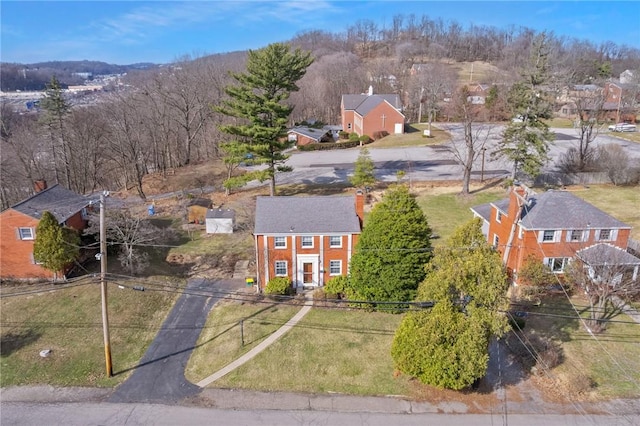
x,y
608,275
475,136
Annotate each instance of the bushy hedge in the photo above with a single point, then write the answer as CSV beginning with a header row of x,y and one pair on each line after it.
x,y
337,288
324,146
380,134
279,286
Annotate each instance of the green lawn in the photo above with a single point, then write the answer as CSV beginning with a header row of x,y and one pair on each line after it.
x,y
413,136
605,365
446,211
221,340
68,321
621,202
331,350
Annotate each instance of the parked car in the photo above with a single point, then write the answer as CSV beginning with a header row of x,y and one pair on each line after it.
x,y
622,127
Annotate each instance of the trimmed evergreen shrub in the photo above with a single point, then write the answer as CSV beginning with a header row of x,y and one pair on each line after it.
x,y
279,286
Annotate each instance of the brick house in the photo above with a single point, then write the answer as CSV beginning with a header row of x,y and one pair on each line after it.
x,y
18,226
368,114
307,239
620,102
303,135
551,226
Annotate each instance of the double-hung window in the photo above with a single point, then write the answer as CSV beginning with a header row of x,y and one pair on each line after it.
x,y
606,235
335,241
335,267
307,242
26,233
576,235
548,236
280,242
281,268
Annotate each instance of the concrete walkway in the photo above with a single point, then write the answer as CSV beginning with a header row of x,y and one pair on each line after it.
x,y
261,346
626,308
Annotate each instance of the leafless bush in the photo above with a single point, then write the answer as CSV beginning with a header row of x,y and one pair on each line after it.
x,y
610,159
619,167
535,352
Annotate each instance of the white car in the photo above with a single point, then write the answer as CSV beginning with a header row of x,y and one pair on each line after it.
x,y
622,127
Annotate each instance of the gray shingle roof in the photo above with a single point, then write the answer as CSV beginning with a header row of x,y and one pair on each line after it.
x,y
59,201
555,210
606,254
563,210
310,132
220,214
306,215
484,210
362,104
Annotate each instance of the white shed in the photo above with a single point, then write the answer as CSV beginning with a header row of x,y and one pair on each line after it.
x,y
220,221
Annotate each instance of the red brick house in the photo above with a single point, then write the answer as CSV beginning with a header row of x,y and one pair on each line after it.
x,y
303,135
18,229
620,102
307,239
368,114
551,226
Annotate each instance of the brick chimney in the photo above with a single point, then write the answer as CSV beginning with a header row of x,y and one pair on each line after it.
x,y
517,199
360,205
40,185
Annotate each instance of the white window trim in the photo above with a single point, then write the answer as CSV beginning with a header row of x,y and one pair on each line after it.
x,y
286,268
31,231
498,216
496,241
555,239
302,240
613,234
582,238
339,245
275,244
333,274
548,261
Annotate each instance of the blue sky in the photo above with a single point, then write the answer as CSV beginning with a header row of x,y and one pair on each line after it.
x,y
124,32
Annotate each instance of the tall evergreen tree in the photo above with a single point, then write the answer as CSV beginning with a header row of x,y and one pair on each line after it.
x,y
393,249
449,345
55,246
56,111
526,139
259,99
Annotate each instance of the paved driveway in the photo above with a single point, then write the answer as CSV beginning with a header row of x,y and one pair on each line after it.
x,y
160,375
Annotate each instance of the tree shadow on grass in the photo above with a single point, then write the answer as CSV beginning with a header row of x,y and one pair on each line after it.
x,y
14,340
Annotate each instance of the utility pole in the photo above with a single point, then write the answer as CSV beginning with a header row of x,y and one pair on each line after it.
x,y
103,286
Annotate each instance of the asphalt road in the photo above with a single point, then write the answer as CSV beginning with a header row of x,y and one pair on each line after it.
x,y
427,163
21,413
159,377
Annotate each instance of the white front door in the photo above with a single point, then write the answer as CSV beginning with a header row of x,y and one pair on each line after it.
x,y
308,272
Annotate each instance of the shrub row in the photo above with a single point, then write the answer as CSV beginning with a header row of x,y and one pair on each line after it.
x,y
324,146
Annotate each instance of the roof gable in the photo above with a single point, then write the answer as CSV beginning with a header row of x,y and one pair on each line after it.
x,y
364,103
306,215
59,201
